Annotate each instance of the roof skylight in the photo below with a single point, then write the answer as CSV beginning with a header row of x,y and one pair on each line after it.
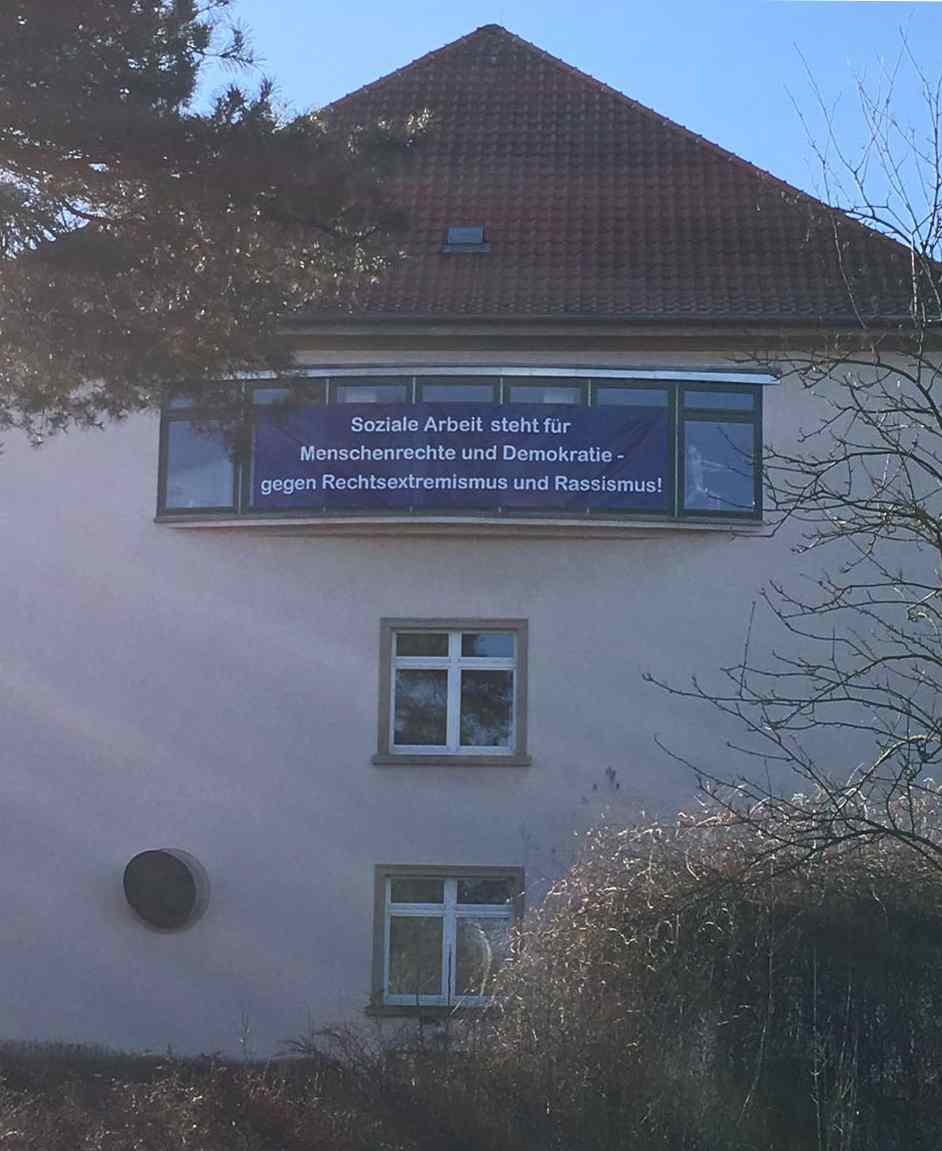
x,y
466,239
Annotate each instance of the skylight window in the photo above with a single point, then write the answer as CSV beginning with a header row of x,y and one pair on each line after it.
x,y
466,239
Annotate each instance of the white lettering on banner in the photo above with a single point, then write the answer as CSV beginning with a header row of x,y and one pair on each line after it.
x,y
518,424
568,484
452,483
384,424
310,453
289,485
339,457
450,424
591,455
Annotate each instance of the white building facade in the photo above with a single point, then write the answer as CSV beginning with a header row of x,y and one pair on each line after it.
x,y
359,728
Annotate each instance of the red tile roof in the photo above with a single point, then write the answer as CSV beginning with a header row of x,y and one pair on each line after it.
x,y
597,207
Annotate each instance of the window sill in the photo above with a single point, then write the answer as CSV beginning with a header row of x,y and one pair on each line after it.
x,y
430,1011
386,759
545,527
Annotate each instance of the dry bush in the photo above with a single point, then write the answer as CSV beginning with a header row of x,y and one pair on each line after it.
x,y
700,986
75,1100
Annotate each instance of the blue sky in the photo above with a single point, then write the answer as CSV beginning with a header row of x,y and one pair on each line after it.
x,y
731,71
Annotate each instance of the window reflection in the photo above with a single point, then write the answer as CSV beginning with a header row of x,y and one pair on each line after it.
x,y
483,946
730,401
416,889
415,955
422,643
485,890
458,393
200,470
377,391
606,396
487,705
488,644
719,466
545,394
421,712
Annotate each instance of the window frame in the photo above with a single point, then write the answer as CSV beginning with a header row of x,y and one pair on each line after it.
x,y
451,912
192,414
302,391
581,382
423,382
389,754
323,380
692,414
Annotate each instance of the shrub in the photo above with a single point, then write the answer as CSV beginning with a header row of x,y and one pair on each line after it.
x,y
698,986
75,1099
693,987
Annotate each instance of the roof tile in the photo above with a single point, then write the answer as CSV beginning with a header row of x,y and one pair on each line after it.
x,y
596,206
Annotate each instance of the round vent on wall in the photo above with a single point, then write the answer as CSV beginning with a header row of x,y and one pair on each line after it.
x,y
167,888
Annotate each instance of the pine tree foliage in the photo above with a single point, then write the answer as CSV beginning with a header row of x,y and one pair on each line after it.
x,y
144,241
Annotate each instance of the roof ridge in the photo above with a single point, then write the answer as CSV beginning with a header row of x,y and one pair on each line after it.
x,y
762,173
427,56
564,66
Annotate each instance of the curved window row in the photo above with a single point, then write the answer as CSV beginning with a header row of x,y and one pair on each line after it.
x,y
557,445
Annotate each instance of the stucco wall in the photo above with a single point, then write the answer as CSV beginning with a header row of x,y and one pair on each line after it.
x,y
216,691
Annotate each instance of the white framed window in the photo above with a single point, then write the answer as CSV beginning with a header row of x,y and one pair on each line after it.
x,y
443,935
453,691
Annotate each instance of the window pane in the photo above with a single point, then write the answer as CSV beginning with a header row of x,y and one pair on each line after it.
x,y
200,470
483,946
719,467
418,643
304,392
459,392
487,707
272,395
416,889
731,401
488,644
546,393
489,890
421,707
381,390
415,955
631,397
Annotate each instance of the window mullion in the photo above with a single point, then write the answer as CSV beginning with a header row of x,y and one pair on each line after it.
x,y
386,934
449,936
453,701
488,663
454,706
392,697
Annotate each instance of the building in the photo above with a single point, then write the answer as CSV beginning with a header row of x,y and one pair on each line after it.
x,y
299,747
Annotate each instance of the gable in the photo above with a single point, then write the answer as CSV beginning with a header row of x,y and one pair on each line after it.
x,y
596,207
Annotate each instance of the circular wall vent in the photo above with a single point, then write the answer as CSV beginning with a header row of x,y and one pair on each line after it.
x,y
167,888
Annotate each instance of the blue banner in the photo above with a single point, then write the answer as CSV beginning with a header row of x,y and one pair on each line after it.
x,y
536,457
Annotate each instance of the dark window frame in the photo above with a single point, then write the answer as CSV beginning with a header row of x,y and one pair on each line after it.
x,y
679,414
193,414
308,392
689,413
